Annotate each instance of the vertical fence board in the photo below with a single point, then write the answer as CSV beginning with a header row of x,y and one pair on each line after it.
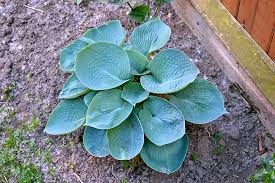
x,y
232,6
271,52
263,23
246,13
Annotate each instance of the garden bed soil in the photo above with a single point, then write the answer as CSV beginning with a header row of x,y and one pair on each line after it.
x,y
226,150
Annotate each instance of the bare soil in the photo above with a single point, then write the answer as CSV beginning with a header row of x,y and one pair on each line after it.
x,y
226,150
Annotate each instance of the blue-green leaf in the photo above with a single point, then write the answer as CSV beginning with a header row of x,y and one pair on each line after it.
x,y
110,32
89,97
67,116
134,93
138,62
68,54
126,140
167,158
200,102
72,88
150,36
107,110
102,66
171,70
162,122
96,142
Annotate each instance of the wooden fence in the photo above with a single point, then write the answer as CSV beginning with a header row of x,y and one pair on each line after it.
x,y
240,57
258,18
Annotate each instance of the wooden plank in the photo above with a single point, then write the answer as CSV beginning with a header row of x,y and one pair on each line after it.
x,y
271,51
249,55
263,23
232,6
243,61
246,13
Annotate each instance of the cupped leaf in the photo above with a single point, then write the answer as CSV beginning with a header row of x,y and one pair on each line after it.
x,y
162,122
139,13
150,36
68,54
126,140
96,142
200,102
138,62
73,88
167,158
67,116
89,97
107,110
171,70
134,93
102,66
111,32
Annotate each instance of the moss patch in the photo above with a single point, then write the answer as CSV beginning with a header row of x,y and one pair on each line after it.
x,y
20,157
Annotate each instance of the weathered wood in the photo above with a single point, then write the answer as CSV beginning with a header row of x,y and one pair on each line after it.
x,y
271,51
244,62
263,23
232,6
246,13
257,17
257,64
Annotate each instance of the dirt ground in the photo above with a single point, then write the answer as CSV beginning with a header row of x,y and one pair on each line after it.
x,y
225,151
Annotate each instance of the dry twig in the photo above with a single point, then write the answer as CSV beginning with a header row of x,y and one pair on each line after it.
x,y
34,8
262,149
78,178
6,180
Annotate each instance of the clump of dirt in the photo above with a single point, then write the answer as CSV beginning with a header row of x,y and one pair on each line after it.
x,y
223,151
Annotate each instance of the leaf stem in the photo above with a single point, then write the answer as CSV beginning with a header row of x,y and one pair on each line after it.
x,y
148,4
129,5
157,10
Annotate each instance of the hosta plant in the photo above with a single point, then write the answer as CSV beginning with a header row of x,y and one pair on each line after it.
x,y
129,104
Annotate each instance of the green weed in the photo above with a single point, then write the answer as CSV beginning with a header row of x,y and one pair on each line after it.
x,y
217,136
194,156
267,172
126,164
32,125
124,180
7,92
218,149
